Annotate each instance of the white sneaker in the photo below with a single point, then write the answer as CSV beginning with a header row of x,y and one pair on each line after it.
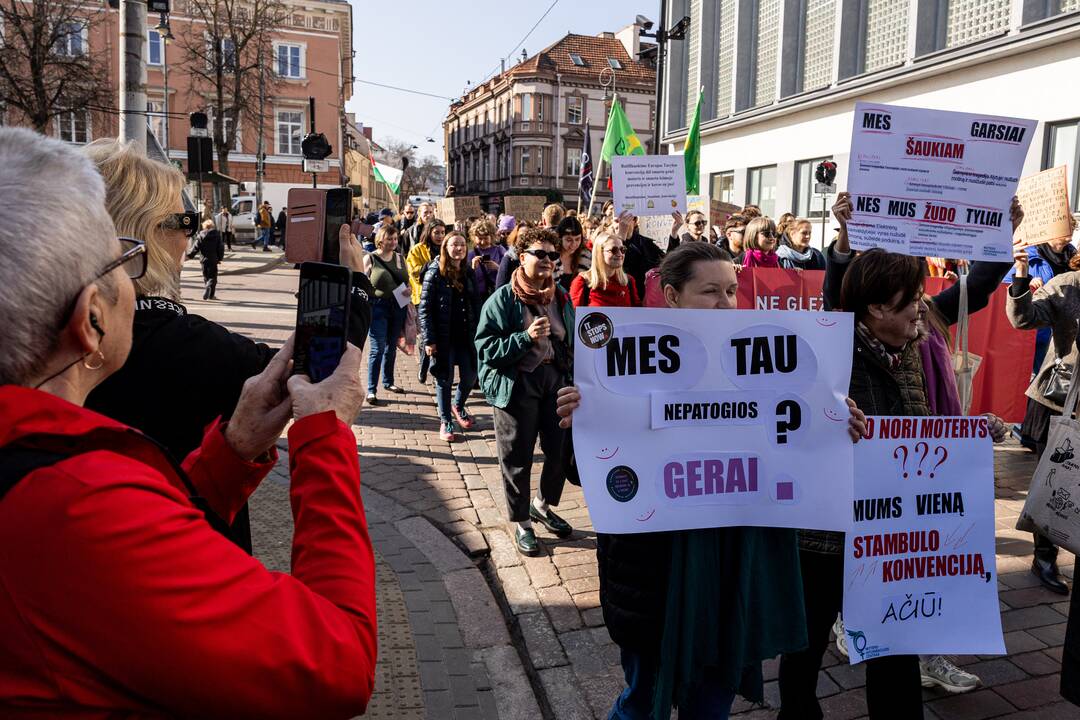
x,y
841,637
939,671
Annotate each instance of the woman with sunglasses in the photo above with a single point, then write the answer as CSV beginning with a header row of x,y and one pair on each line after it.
x,y
606,284
524,341
120,598
761,241
183,370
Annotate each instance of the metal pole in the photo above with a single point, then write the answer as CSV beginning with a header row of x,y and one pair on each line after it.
x,y
311,119
133,73
824,214
661,55
260,149
165,104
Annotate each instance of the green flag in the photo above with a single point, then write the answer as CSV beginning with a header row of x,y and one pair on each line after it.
x,y
619,138
692,150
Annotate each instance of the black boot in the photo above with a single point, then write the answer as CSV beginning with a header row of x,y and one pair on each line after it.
x,y
1047,572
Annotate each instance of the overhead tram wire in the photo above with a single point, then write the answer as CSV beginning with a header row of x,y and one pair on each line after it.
x,y
521,41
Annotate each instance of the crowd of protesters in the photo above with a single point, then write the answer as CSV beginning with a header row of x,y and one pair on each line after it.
x,y
489,304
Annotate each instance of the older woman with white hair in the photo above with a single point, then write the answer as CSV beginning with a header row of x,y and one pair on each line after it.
x,y
184,370
119,597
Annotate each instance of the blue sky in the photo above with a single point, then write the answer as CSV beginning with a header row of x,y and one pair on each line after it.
x,y
435,46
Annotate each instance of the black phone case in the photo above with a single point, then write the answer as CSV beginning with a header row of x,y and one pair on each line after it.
x,y
331,273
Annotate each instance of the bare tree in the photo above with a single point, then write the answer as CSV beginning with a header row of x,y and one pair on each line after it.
x,y
46,66
421,173
227,51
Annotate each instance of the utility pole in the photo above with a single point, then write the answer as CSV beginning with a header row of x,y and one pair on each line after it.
x,y
311,118
260,149
133,72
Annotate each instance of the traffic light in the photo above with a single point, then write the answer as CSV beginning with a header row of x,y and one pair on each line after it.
x,y
315,147
825,172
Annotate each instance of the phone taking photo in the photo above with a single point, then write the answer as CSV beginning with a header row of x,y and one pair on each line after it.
x,y
322,319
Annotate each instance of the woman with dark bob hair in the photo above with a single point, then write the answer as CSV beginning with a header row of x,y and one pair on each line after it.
x,y
738,589
120,597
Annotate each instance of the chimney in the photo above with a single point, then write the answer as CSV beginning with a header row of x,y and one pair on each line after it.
x,y
607,35
631,40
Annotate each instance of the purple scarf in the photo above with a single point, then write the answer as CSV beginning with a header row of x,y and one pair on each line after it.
x,y
941,392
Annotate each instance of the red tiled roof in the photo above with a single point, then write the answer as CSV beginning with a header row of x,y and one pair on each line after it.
x,y
594,51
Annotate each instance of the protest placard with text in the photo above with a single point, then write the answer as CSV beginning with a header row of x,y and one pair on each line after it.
x,y
703,418
648,184
934,183
919,565
1045,199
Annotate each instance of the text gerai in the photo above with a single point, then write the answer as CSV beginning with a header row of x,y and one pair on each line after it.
x,y
699,477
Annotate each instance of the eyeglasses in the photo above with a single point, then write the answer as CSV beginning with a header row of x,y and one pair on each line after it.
x,y
133,258
543,254
617,250
186,221
766,233
410,214
700,223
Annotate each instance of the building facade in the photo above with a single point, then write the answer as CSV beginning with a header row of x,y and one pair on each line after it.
x,y
781,78
524,129
311,56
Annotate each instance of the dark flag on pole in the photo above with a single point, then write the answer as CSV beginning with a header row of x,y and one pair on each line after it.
x,y
585,180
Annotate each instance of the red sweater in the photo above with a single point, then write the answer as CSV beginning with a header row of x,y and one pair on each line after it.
x,y
117,598
614,295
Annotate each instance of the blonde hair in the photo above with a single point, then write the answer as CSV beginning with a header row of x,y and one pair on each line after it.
x,y
597,274
384,231
553,214
140,194
207,224
754,228
481,226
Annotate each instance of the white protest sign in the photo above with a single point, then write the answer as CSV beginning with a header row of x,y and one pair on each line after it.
x,y
919,564
934,183
702,418
649,184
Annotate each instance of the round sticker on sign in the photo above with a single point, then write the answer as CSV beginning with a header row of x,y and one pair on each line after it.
x,y
596,330
622,483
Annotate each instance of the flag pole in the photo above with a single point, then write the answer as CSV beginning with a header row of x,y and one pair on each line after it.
x,y
600,165
579,171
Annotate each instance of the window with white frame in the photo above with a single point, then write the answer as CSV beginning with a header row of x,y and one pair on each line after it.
x,y
525,157
228,54
526,107
227,130
290,127
539,106
540,161
807,204
767,49
576,59
1062,148
153,47
155,115
574,109
722,187
71,39
573,162
290,60
74,127
761,189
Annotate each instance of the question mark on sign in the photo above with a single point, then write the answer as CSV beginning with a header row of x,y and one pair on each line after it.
x,y
903,461
944,457
788,419
925,451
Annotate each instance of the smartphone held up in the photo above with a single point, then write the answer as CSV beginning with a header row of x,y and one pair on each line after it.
x,y
323,312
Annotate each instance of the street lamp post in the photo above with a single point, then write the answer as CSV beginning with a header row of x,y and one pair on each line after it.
x,y
662,35
165,32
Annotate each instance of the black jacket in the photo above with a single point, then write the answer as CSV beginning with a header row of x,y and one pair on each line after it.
x,y
633,607
409,237
509,264
434,315
642,255
210,245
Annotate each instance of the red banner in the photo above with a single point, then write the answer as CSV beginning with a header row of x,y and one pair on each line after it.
x,y
1007,354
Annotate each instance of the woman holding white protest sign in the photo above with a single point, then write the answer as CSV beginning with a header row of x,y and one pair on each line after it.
x,y
677,603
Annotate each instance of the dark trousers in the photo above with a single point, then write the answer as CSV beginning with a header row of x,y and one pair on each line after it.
x,y
1045,549
893,683
228,238
387,320
209,273
530,412
707,701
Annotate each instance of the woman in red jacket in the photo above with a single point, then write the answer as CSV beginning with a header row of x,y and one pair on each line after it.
x,y
118,596
606,284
